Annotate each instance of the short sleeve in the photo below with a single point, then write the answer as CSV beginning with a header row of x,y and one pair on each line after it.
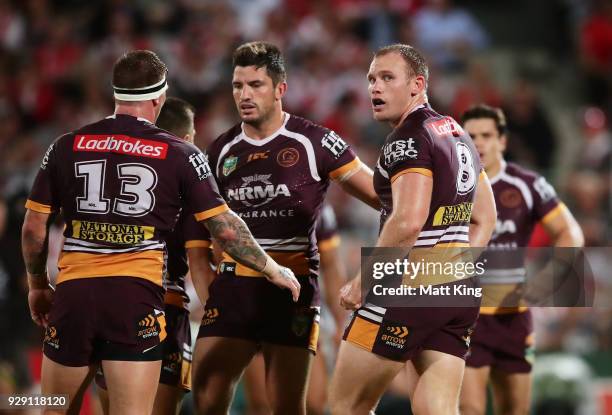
x,y
336,157
546,203
407,154
199,188
195,234
43,197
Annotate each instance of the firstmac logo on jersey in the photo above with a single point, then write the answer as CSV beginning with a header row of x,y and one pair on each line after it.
x,y
121,144
399,150
332,142
200,163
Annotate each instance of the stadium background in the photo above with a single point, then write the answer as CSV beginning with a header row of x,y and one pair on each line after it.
x,y
548,63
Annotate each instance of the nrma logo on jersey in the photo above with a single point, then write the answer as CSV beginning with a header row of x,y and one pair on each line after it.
x,y
257,190
504,226
121,144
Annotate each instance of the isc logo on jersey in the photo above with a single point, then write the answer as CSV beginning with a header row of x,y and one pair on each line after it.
x,y
399,150
121,144
257,187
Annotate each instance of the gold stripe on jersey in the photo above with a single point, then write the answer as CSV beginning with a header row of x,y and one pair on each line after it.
x,y
554,213
329,243
501,299
353,164
38,207
503,310
449,215
198,244
363,333
296,261
419,170
142,264
211,212
482,175
453,245
439,265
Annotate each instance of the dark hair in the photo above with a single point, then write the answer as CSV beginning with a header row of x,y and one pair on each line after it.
x,y
176,116
261,54
486,111
413,58
138,69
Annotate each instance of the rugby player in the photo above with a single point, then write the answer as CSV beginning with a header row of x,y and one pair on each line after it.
x,y
427,171
273,169
110,180
333,273
187,240
502,347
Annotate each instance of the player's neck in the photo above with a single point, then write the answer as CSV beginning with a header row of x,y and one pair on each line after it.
x,y
414,103
495,168
266,128
138,111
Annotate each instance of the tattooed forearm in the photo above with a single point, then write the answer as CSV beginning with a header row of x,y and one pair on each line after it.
x,y
34,243
235,238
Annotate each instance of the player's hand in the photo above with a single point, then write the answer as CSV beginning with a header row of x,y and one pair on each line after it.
x,y
350,294
39,301
282,277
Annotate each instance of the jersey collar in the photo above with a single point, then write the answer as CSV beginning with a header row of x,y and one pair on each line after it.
x,y
267,139
499,173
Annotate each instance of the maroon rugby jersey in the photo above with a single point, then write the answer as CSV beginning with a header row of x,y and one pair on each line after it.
x,y
121,183
277,185
436,146
523,198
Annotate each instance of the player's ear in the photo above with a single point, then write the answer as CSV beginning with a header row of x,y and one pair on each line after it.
x,y
417,85
280,90
503,142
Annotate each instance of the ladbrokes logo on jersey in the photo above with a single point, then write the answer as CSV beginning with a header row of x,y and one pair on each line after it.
x,y
446,127
257,190
448,215
111,232
121,144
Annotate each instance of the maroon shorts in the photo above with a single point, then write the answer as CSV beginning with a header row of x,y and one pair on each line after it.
x,y
106,318
176,349
252,308
400,333
504,342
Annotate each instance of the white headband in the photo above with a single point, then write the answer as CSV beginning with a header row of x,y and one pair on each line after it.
x,y
141,94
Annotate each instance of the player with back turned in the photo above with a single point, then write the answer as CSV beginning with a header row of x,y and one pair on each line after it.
x,y
273,169
110,180
502,346
188,240
435,197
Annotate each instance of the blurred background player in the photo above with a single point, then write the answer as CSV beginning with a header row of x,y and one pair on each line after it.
x,y
109,180
333,318
187,240
428,167
274,169
502,345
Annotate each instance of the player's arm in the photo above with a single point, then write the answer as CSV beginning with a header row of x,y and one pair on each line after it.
x,y
411,202
334,276
234,237
34,245
201,271
562,228
484,214
360,184
402,227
